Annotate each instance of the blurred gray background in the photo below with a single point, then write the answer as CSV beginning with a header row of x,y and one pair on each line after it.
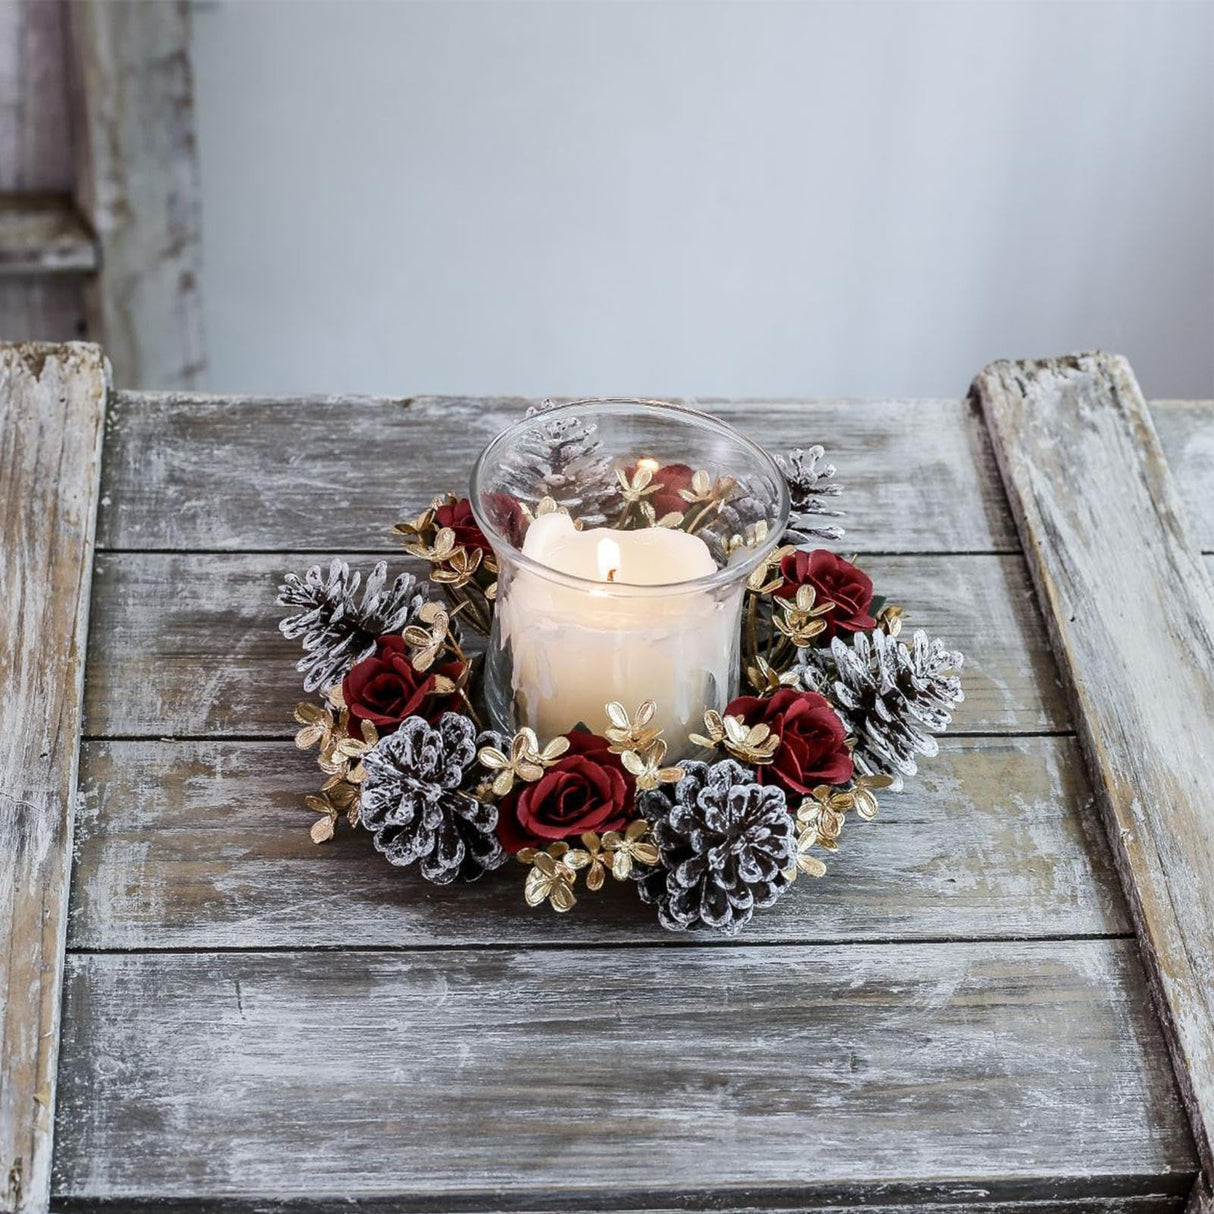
x,y
678,197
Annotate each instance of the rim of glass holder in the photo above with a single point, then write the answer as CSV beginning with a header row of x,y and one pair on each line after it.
x,y
662,408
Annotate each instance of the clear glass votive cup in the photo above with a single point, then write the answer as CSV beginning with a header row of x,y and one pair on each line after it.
x,y
568,640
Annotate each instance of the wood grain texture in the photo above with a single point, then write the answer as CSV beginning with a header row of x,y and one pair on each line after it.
x,y
205,845
187,472
599,1079
1186,432
188,645
136,181
52,402
1130,608
41,308
43,234
35,146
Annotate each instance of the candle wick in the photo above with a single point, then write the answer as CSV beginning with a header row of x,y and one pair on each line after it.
x,y
611,575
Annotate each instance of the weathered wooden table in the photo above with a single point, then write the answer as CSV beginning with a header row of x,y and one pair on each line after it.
x,y
957,1018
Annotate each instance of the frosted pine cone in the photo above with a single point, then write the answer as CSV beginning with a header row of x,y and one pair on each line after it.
x,y
337,629
725,843
809,484
415,802
562,458
892,698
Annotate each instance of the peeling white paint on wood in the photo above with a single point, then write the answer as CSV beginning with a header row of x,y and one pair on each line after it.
x,y
188,644
597,1078
1130,609
205,845
52,401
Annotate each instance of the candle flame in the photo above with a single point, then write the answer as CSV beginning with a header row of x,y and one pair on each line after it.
x,y
609,559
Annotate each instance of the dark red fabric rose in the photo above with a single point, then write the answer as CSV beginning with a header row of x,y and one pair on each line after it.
x,y
506,513
458,516
834,581
587,789
385,689
672,478
811,750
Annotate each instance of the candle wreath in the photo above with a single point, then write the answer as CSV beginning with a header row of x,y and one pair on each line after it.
x,y
838,707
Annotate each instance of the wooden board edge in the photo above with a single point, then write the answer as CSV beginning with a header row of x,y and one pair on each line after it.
x,y
43,849
1002,389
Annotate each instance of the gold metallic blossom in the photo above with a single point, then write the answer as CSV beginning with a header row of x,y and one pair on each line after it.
x,y
524,762
427,643
706,491
621,851
647,767
765,678
804,861
800,618
631,733
319,721
458,567
746,743
343,757
332,803
640,485
766,576
890,618
552,875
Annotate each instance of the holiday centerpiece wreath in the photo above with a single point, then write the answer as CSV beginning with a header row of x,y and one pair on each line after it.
x,y
712,803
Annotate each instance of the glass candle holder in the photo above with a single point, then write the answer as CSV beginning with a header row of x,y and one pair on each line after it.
x,y
625,531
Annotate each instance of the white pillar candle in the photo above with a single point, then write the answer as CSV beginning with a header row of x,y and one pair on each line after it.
x,y
576,647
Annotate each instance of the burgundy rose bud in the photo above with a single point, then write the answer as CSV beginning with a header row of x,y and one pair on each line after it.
x,y
385,689
834,580
458,516
587,789
672,478
812,749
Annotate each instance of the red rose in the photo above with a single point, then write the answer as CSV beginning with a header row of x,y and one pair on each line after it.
x,y
458,516
672,478
811,739
835,581
587,789
385,689
506,513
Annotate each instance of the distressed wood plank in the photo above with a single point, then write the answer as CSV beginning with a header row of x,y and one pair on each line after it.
x,y
52,403
136,181
204,844
1130,609
1186,432
458,1080
35,150
41,308
185,472
189,644
43,234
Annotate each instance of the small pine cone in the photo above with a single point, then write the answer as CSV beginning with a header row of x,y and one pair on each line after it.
x,y
892,698
415,801
336,629
562,458
809,483
725,844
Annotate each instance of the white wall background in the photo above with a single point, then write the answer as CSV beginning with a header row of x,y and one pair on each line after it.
x,y
742,198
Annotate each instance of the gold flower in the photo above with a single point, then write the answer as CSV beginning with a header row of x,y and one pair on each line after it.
x,y
621,851
800,618
332,803
552,875
648,769
524,762
890,618
457,566
633,733
428,642
747,743
342,758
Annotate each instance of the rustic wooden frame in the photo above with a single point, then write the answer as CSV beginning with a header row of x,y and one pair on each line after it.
x,y
52,408
1129,607
136,182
